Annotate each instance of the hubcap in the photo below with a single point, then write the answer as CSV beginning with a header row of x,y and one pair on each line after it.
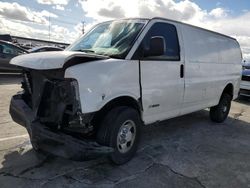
x,y
126,136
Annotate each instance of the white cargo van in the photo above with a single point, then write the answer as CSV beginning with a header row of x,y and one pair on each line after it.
x,y
93,97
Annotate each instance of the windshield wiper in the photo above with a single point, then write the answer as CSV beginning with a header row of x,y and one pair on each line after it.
x,y
91,51
86,50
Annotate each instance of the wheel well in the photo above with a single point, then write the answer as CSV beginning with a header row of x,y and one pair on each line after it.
x,y
229,89
120,101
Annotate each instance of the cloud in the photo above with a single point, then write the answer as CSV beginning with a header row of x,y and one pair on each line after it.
x,y
103,10
136,8
114,12
58,4
63,34
15,28
57,33
53,2
18,12
183,10
218,13
21,21
47,14
58,7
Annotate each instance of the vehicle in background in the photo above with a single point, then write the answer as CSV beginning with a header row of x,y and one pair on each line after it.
x,y
9,50
245,80
95,95
27,46
45,49
246,65
6,37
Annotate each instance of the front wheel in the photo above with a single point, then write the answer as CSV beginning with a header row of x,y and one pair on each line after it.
x,y
220,112
120,129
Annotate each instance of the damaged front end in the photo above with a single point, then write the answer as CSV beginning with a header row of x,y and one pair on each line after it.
x,y
49,107
55,101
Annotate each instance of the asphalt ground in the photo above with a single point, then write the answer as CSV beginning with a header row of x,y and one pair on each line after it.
x,y
188,151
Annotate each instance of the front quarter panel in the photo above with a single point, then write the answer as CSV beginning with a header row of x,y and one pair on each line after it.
x,y
101,81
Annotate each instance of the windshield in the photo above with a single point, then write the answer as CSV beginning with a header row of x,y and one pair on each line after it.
x,y
112,39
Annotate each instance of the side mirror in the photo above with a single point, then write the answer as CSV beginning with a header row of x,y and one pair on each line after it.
x,y
157,47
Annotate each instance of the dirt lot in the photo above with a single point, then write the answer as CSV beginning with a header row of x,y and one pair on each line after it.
x,y
188,151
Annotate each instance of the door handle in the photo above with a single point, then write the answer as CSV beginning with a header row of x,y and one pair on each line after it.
x,y
182,71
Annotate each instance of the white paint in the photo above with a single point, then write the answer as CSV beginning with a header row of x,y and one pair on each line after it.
x,y
47,60
14,137
111,77
161,84
211,62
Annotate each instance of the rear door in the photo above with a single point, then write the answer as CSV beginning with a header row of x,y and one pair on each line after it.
x,y
162,79
202,70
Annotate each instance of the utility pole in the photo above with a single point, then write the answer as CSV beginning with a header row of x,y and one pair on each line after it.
x,y
83,25
49,26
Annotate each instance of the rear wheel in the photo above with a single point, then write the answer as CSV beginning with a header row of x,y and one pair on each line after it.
x,y
220,112
120,129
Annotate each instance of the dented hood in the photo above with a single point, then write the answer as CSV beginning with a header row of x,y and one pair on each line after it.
x,y
53,60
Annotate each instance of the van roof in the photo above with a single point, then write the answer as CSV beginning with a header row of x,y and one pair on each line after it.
x,y
166,19
193,26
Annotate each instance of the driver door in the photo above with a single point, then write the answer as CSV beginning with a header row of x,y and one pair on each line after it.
x,y
162,79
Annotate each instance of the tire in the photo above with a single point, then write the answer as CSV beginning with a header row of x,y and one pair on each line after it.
x,y
35,145
220,112
33,141
120,129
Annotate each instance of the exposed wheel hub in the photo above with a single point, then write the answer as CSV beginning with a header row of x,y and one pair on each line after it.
x,y
126,136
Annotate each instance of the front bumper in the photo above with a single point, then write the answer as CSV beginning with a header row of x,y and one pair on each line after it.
x,y
245,88
57,143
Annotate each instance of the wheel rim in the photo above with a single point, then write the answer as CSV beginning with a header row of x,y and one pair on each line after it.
x,y
126,136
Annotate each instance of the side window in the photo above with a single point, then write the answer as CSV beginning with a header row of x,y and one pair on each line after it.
x,y
7,49
168,31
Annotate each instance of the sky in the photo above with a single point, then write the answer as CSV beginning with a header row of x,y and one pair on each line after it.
x,y
62,20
